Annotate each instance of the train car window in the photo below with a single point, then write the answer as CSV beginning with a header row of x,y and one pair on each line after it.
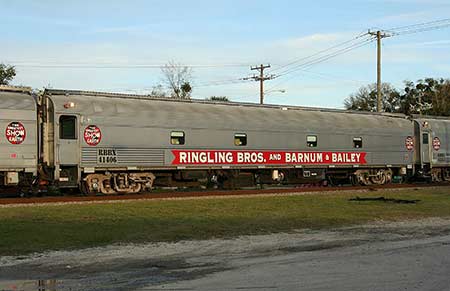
x,y
425,138
311,141
357,142
240,139
67,127
177,137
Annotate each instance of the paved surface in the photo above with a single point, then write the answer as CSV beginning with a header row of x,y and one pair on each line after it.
x,y
406,265
413,255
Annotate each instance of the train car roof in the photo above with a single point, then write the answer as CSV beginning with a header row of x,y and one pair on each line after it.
x,y
172,113
7,88
203,101
430,117
16,98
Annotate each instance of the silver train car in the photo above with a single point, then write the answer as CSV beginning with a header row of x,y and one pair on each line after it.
x,y
433,147
116,143
19,136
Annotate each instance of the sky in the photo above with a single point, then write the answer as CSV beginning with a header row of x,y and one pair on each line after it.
x,y
119,46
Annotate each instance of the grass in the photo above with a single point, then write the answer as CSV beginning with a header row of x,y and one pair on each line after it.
x,y
54,227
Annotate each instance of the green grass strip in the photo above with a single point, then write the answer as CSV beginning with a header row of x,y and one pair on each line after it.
x,y
55,227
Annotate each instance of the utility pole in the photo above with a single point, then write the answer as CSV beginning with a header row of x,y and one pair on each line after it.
x,y
261,78
379,35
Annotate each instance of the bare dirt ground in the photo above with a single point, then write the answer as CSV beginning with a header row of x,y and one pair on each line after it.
x,y
412,255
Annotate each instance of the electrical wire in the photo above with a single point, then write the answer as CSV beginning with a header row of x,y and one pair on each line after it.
x,y
326,57
117,66
419,27
320,52
222,82
291,67
301,67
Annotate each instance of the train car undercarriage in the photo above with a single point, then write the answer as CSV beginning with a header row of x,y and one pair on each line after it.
x,y
110,183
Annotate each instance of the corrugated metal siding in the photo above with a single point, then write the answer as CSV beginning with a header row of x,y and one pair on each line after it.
x,y
170,114
88,156
125,157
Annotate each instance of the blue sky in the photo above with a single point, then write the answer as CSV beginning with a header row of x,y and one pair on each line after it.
x,y
75,44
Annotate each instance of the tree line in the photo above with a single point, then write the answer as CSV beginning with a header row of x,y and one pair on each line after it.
x,y
429,96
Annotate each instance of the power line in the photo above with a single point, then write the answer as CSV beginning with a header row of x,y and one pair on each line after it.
x,y
326,57
222,82
291,67
420,27
417,25
421,30
117,66
321,59
352,45
321,52
327,76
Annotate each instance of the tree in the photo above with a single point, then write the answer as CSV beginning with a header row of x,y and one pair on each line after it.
x,y
427,96
219,98
178,79
366,98
158,92
7,74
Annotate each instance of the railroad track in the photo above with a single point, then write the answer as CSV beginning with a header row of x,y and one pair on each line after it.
x,y
203,193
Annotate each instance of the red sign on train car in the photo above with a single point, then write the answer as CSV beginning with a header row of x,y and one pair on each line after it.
x,y
92,135
15,133
223,157
436,143
409,143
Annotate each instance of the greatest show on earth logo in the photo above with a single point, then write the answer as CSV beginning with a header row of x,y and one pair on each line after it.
x,y
15,133
92,135
409,143
436,143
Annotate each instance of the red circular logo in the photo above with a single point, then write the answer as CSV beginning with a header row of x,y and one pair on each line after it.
x,y
15,133
436,143
409,143
92,135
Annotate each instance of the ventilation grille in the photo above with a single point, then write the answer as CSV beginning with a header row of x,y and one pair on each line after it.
x,y
122,157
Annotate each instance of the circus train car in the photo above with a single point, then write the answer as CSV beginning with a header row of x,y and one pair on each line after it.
x,y
115,143
432,136
18,137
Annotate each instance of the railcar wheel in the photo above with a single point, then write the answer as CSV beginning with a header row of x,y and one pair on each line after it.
x,y
446,175
84,188
437,175
99,183
363,177
379,178
353,180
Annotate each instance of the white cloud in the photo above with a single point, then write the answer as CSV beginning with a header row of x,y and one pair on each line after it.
x,y
311,41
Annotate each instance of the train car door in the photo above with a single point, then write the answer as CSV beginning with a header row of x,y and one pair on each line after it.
x,y
425,148
68,149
